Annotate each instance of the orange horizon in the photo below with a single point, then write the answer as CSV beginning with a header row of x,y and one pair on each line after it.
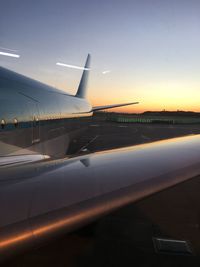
x,y
117,110
136,109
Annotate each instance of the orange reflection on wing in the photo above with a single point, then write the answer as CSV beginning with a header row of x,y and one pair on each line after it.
x,y
15,239
61,223
51,227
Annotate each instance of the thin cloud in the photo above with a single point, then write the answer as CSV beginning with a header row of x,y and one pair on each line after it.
x,y
106,71
8,49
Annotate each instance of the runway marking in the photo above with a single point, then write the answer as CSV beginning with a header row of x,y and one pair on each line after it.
x,y
94,125
91,141
135,130
145,137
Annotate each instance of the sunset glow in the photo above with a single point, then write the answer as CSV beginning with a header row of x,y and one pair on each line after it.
x,y
141,51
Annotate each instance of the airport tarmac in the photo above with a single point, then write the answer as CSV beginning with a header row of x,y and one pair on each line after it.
x,y
124,237
103,135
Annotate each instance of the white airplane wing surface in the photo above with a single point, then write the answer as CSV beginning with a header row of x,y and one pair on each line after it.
x,y
45,199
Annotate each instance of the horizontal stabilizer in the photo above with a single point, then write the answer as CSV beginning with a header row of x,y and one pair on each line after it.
x,y
112,106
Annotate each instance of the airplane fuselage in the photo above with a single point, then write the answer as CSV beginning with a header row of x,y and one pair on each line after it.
x,y
36,118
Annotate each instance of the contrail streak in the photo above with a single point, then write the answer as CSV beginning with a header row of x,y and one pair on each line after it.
x,y
9,54
72,66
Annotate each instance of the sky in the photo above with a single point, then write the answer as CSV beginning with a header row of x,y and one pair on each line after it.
x,y
150,48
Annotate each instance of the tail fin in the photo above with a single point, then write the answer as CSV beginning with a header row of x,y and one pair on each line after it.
x,y
81,92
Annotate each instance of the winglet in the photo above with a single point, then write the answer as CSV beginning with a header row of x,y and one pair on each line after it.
x,y
81,92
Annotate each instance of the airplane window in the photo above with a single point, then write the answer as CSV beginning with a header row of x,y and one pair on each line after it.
x,y
16,123
3,124
35,119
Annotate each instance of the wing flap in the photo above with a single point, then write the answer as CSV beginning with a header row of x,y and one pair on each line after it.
x,y
12,160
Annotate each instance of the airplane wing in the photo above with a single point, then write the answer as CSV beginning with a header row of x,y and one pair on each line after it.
x,y
45,199
97,108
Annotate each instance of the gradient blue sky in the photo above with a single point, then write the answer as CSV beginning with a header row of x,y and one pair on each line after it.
x,y
151,47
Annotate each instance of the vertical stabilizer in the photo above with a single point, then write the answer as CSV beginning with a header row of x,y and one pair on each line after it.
x,y
81,92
